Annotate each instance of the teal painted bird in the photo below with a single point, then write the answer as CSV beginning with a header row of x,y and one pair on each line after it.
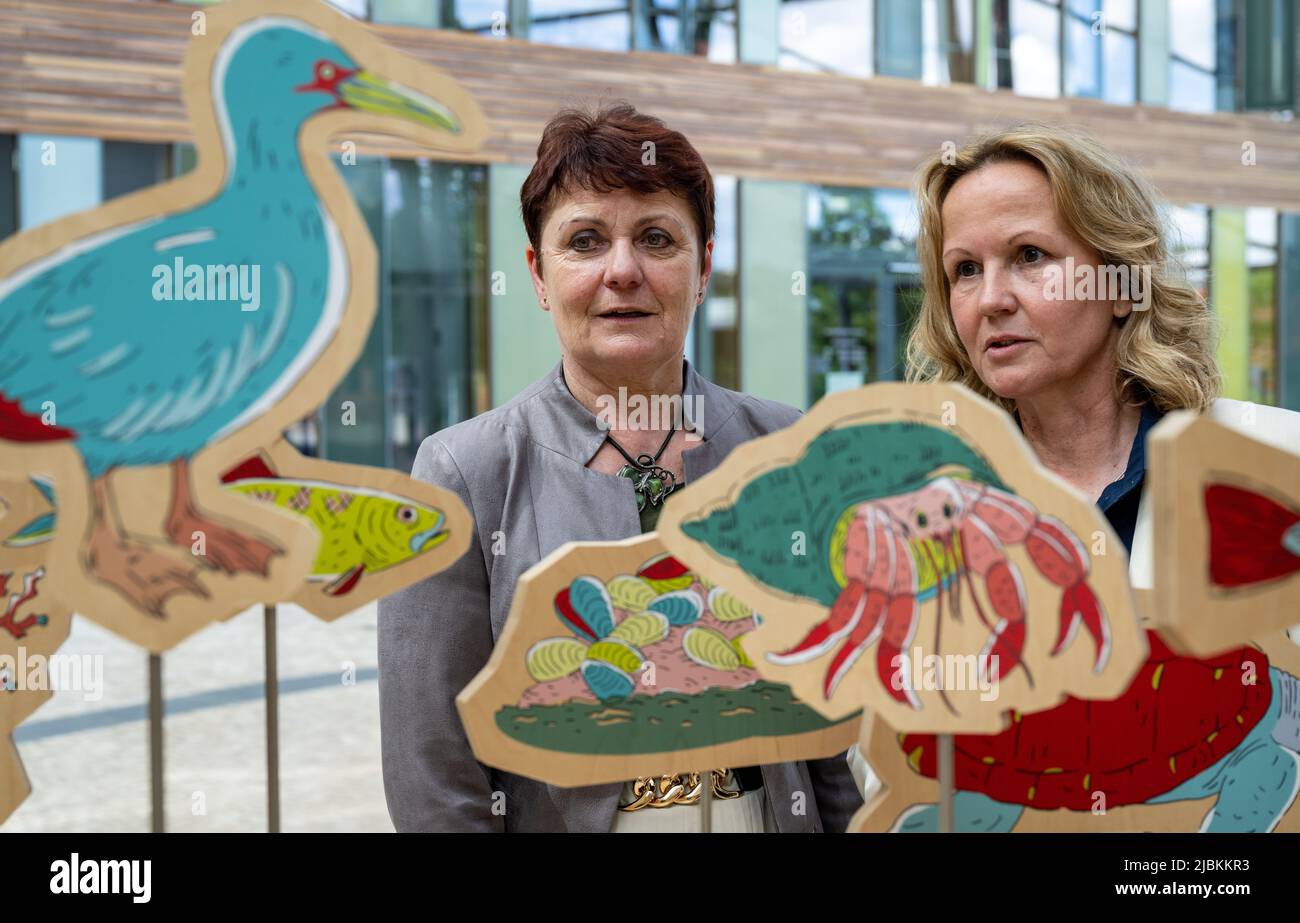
x,y
157,338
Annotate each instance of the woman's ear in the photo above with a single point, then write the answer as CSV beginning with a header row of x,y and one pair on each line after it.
x,y
535,271
705,273
1121,308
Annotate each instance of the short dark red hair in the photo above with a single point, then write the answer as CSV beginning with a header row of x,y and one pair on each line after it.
x,y
602,150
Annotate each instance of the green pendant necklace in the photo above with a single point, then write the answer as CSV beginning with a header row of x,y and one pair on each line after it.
x,y
651,482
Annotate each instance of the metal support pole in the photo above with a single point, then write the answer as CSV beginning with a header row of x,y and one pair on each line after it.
x,y
706,801
945,783
272,725
159,821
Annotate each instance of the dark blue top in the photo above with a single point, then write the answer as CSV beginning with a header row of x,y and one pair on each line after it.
x,y
1119,501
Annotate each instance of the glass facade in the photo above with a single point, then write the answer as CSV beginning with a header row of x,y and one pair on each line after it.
x,y
831,36
863,285
486,17
599,24
8,187
1190,229
1045,48
697,27
1262,277
424,365
949,41
1035,28
1101,50
1053,48
1193,57
357,8
714,345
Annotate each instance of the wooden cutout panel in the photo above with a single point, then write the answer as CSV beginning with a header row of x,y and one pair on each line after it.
x,y
617,662
378,530
109,386
33,623
906,796
1225,534
776,522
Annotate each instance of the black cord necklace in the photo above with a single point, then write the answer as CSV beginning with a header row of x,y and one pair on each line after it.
x,y
651,482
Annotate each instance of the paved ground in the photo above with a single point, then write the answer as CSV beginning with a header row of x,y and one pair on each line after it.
x,y
89,761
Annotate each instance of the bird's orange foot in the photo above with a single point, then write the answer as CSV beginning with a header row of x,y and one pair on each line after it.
x,y
143,574
218,547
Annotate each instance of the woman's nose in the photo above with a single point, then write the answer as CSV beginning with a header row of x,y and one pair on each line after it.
x,y
996,296
623,269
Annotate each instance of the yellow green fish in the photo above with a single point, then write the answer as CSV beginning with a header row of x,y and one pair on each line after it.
x,y
361,530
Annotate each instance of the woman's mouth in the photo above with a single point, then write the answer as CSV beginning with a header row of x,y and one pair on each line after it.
x,y
1003,346
625,314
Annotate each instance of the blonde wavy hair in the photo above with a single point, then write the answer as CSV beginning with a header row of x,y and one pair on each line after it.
x,y
1165,352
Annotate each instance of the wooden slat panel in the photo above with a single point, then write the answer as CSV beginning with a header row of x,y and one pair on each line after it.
x,y
111,68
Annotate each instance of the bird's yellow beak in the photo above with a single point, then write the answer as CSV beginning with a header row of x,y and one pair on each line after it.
x,y
369,92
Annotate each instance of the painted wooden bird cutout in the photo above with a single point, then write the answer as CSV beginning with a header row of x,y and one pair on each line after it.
x,y
144,342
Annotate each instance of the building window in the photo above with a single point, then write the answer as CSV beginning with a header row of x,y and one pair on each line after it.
x,y
476,15
696,27
1262,276
128,166
1028,33
831,36
1193,37
1191,244
715,331
948,30
8,187
604,25
863,285
423,366
1101,50
713,29
358,9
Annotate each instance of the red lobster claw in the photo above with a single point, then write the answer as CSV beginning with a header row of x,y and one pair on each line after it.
x,y
1079,604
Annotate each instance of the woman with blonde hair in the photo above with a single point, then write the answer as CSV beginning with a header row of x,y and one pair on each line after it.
x,y
1050,289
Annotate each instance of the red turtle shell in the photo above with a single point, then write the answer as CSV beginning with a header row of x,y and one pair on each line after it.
x,y
1180,715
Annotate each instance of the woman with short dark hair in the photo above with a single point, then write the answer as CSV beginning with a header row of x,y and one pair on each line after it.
x,y
619,214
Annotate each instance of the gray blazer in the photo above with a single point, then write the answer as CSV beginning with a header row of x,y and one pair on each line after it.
x,y
520,470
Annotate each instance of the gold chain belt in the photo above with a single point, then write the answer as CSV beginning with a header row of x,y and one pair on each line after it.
x,y
668,790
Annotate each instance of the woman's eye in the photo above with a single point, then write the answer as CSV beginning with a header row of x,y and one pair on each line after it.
x,y
657,239
965,269
1032,255
583,242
